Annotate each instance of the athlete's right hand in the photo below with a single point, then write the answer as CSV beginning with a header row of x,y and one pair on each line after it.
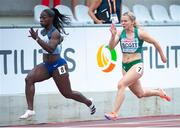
x,y
33,33
113,30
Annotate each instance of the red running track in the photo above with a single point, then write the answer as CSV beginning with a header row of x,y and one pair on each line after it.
x,y
145,121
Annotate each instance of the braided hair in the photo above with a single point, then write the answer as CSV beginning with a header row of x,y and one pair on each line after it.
x,y
59,19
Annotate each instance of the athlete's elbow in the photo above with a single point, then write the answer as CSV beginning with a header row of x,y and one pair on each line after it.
x,y
157,46
111,47
155,43
89,12
50,50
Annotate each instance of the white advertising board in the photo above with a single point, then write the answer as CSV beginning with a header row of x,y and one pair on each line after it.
x,y
19,54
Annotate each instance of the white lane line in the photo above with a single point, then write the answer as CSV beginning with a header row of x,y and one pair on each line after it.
x,y
135,122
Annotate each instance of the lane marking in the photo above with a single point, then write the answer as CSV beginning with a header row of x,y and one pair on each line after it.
x,y
135,122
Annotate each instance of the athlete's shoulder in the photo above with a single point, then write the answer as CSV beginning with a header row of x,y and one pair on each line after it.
x,y
142,33
56,31
56,34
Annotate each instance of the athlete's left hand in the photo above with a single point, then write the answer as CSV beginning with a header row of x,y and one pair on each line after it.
x,y
33,33
164,59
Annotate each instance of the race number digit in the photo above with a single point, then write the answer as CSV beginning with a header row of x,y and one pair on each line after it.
x,y
139,70
62,70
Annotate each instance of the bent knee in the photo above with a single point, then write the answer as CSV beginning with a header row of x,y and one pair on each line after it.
x,y
29,79
140,95
121,84
67,95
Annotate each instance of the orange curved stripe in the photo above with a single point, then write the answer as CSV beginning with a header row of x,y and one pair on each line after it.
x,y
109,68
99,59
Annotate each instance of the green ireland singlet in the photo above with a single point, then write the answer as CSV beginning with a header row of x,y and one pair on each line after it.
x,y
131,45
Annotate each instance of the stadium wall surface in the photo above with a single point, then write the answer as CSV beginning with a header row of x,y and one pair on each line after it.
x,y
19,54
25,7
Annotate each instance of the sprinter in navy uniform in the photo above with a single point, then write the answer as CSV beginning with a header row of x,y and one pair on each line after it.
x,y
107,11
53,65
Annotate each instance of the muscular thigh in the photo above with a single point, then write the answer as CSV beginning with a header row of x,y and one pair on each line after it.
x,y
61,78
39,73
133,75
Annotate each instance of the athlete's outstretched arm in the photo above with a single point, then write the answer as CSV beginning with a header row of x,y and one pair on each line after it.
x,y
146,37
114,37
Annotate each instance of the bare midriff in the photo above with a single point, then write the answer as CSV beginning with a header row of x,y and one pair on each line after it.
x,y
50,58
127,57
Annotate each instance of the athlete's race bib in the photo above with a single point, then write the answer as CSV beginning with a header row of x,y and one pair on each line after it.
x,y
139,70
129,45
62,70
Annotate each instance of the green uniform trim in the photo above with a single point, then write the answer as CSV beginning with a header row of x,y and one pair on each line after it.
x,y
113,53
127,66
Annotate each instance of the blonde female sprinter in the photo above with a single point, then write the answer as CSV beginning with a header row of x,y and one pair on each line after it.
x,y
131,39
